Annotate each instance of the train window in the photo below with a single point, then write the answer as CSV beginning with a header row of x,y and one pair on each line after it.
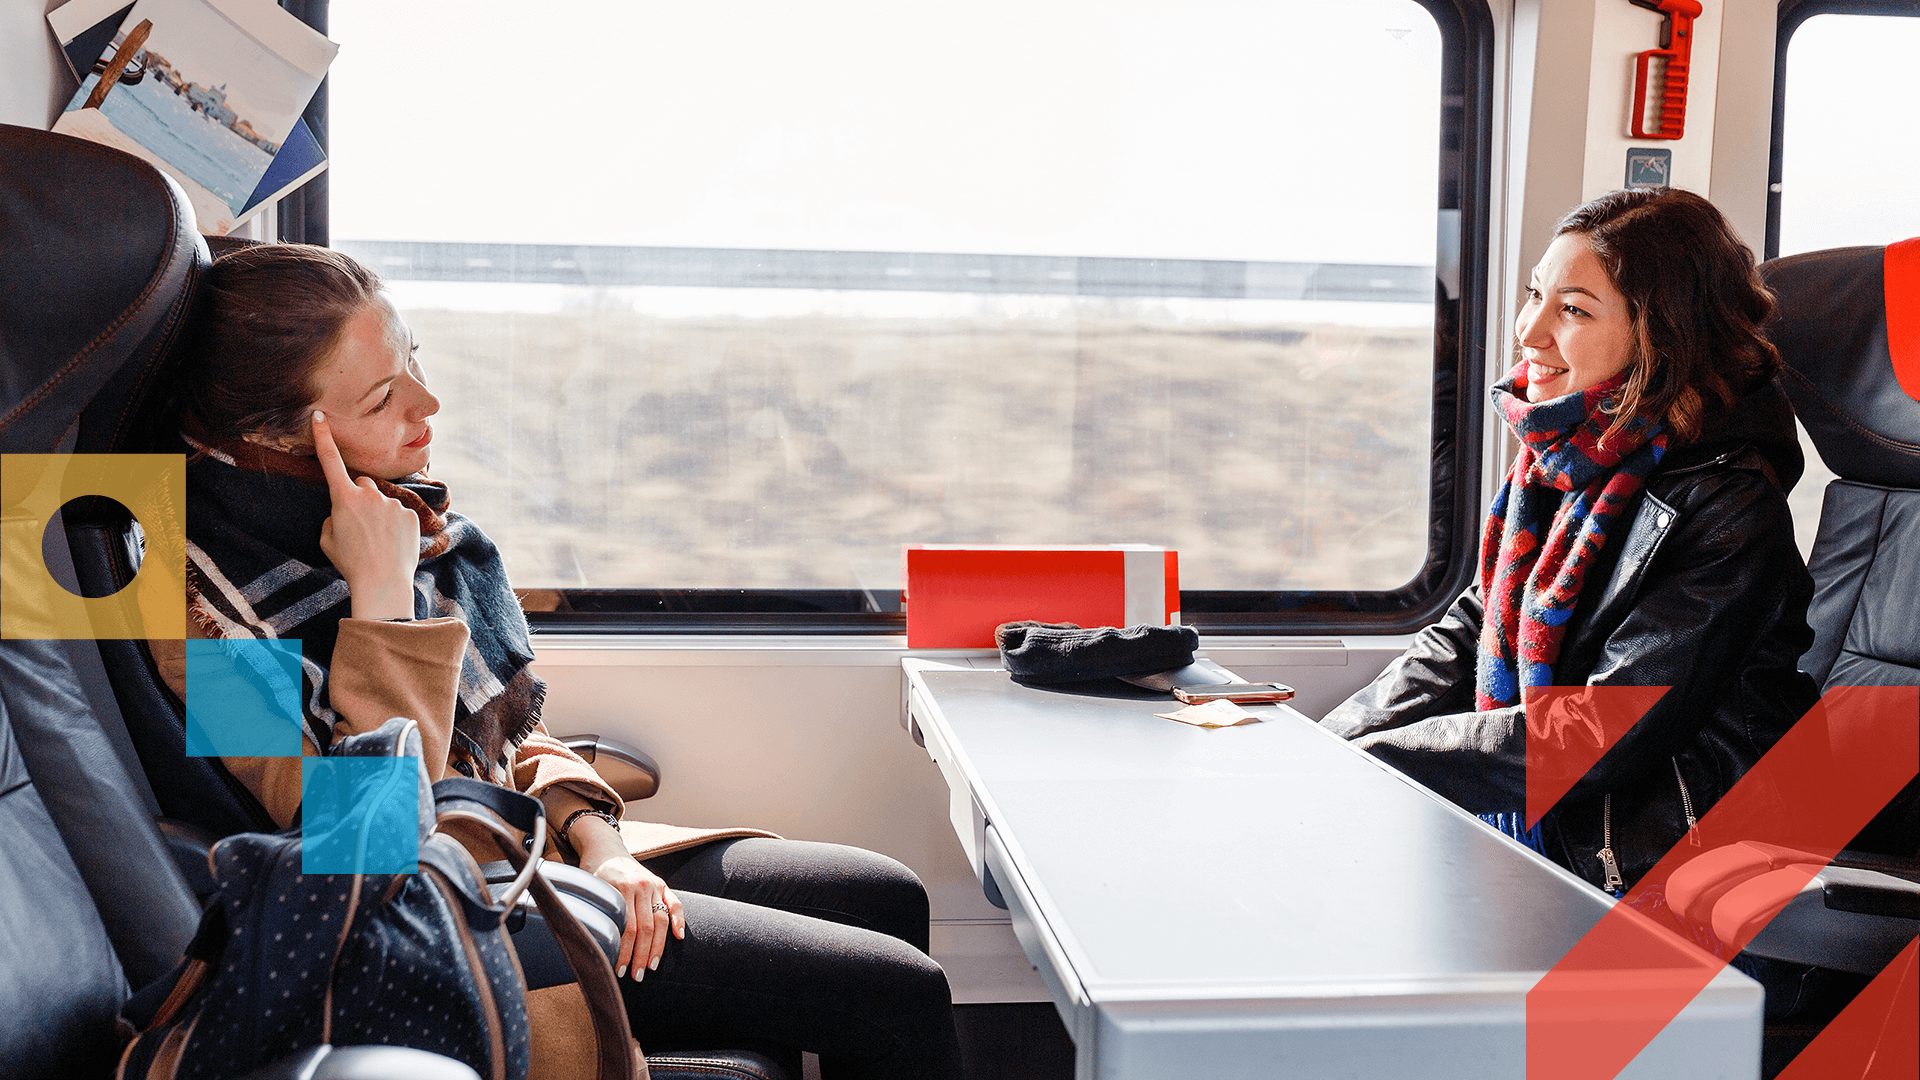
x,y
726,303
1842,174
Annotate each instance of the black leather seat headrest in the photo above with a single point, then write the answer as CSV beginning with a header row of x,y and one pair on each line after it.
x,y
1849,332
99,251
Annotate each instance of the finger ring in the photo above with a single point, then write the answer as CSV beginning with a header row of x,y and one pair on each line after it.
x,y
658,906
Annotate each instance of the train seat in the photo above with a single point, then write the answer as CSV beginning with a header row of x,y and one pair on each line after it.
x,y
102,259
66,975
1848,330
61,986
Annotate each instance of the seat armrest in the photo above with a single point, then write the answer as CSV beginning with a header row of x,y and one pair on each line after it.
x,y
189,845
363,1063
596,905
568,881
1792,914
1867,893
628,770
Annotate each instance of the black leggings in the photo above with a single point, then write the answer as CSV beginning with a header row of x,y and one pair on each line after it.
x,y
804,946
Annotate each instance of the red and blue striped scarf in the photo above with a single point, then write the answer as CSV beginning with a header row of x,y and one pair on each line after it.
x,y
1568,491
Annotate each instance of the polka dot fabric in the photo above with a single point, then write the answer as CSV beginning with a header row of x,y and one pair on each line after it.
x,y
286,960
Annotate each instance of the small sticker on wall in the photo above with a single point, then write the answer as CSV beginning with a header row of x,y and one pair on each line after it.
x,y
1648,167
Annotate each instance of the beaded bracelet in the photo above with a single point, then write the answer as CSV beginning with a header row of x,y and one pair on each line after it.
x,y
586,812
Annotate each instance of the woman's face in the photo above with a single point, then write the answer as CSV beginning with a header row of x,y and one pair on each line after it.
x,y
1574,330
375,396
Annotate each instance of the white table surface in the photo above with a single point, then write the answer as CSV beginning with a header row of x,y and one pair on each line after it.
x,y
1263,900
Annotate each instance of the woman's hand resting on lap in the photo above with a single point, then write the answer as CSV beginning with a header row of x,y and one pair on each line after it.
x,y
374,541
652,913
652,909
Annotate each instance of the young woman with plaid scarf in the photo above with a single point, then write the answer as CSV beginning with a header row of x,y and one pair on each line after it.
x,y
310,516
1641,539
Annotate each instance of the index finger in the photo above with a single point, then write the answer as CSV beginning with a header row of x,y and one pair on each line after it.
x,y
330,461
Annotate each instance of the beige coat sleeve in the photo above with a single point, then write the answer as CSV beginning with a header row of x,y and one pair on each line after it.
x,y
380,670
561,779
564,783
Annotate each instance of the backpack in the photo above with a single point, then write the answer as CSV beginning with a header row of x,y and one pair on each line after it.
x,y
284,960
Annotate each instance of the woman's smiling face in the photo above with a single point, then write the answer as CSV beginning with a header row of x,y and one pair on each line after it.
x,y
1574,330
375,395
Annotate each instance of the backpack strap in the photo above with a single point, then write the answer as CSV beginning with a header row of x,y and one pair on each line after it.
x,y
506,814
516,812
502,814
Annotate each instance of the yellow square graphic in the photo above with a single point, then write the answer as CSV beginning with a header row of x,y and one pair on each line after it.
x,y
33,488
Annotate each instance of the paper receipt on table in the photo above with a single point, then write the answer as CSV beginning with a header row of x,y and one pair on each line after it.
x,y
1212,714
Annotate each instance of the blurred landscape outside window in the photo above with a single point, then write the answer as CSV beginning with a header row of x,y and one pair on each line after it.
x,y
1846,174
748,295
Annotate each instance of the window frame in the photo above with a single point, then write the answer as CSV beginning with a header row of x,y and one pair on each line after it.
x,y
1454,513
1793,15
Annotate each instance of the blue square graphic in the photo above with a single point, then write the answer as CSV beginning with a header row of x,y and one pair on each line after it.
x,y
243,698
359,815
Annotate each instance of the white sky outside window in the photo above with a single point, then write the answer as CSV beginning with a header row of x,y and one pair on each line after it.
x,y
630,437
1850,146
1218,130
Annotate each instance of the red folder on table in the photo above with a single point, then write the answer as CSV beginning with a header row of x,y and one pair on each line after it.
x,y
957,594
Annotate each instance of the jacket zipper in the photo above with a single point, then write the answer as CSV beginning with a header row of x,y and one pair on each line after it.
x,y
1709,463
1615,884
1686,805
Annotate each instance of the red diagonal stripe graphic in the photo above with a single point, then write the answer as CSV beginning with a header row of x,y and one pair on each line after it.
x,y
1625,981
1877,1036
1901,264
1569,728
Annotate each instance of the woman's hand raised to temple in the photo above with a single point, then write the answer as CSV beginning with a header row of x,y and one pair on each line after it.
x,y
374,541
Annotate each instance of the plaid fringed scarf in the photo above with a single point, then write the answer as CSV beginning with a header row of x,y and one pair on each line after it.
x,y
255,570
1568,491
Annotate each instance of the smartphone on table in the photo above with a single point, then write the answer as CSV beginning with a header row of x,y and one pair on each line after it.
x,y
1240,693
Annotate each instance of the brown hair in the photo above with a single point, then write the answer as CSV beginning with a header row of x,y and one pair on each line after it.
x,y
271,314
1696,300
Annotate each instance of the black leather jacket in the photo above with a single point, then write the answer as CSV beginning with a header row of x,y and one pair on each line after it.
x,y
1706,593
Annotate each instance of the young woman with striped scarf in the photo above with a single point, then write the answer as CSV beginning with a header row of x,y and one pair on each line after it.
x,y
310,516
1641,539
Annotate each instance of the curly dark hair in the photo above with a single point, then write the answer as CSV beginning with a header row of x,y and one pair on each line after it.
x,y
271,314
1696,300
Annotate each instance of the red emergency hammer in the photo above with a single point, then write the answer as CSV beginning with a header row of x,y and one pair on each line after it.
x,y
1676,54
